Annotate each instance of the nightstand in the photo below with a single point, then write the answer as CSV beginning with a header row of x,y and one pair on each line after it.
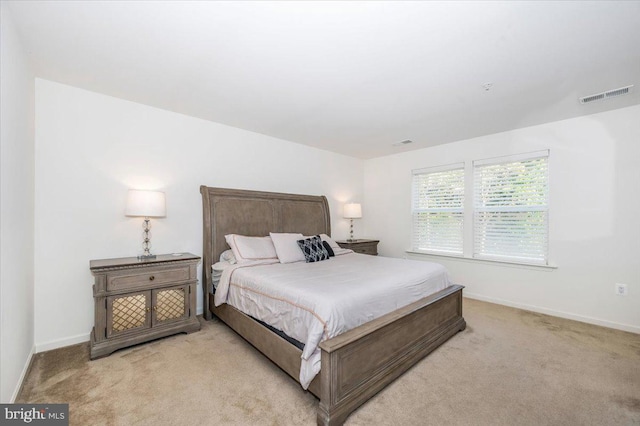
x,y
141,300
361,246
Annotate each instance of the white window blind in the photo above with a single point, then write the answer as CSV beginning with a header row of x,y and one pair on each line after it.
x,y
510,218
438,209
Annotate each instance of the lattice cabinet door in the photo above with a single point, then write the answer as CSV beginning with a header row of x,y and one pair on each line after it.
x,y
170,304
128,312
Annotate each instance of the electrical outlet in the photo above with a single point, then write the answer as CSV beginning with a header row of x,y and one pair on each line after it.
x,y
621,289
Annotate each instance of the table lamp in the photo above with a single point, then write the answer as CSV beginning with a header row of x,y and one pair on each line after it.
x,y
146,204
352,211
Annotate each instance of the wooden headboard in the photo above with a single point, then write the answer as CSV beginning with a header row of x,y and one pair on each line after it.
x,y
254,213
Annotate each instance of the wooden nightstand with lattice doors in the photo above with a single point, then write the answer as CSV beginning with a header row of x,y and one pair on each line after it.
x,y
141,300
361,246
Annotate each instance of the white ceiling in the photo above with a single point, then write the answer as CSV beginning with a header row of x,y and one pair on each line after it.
x,y
349,77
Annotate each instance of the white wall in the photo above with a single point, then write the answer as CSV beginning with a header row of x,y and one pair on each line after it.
x,y
16,209
91,148
594,210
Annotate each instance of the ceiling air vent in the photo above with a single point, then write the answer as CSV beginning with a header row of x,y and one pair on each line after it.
x,y
606,95
404,142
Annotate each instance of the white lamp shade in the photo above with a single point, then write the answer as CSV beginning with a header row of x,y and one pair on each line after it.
x,y
146,203
352,211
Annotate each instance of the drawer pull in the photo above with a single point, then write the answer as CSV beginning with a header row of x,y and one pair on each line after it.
x,y
147,309
151,278
155,308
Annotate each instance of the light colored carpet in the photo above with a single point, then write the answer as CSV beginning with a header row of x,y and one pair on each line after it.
x,y
509,367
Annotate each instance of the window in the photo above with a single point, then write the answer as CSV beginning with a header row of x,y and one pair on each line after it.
x,y
506,220
438,209
510,217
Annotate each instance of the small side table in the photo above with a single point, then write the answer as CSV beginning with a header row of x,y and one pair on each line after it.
x,y
141,300
362,246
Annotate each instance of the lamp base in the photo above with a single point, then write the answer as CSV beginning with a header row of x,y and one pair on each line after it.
x,y
146,256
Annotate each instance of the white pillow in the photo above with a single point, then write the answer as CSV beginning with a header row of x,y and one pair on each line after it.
x,y
287,247
227,256
251,248
218,268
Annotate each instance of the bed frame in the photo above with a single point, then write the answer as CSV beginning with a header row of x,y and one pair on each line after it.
x,y
354,365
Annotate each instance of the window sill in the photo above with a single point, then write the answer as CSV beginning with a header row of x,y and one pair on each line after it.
x,y
488,261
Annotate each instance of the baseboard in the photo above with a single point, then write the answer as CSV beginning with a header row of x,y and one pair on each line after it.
x,y
566,315
23,374
68,341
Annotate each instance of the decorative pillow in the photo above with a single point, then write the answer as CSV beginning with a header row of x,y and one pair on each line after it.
x,y
328,248
251,248
337,250
313,249
287,247
227,256
330,241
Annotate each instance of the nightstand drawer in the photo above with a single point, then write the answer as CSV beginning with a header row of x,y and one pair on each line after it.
x,y
150,278
368,249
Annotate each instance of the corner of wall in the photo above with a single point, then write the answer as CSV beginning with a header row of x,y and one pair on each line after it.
x,y
23,375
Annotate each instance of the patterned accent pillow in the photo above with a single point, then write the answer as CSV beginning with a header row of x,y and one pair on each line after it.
x,y
313,249
327,246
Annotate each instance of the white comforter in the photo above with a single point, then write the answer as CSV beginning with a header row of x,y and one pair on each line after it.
x,y
312,302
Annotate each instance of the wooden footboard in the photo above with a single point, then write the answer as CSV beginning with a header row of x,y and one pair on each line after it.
x,y
361,362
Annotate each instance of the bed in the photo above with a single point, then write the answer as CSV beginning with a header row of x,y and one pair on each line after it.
x,y
349,374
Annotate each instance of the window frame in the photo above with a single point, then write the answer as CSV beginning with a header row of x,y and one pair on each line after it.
x,y
433,170
519,257
469,212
